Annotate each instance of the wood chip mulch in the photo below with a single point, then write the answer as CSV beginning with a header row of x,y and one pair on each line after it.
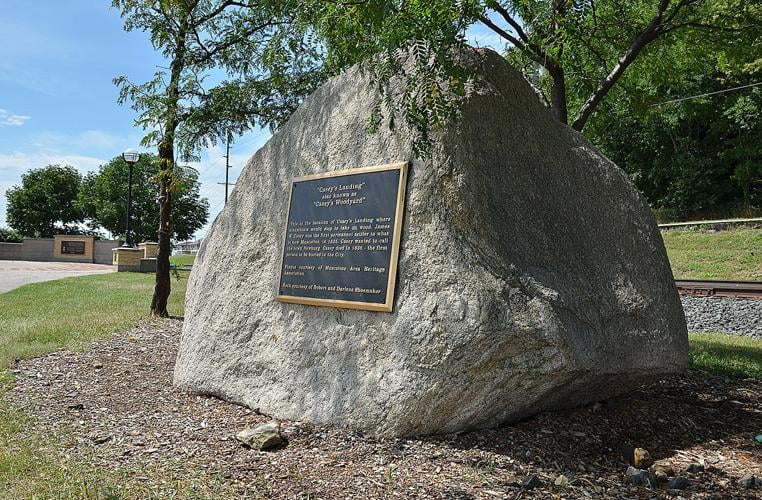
x,y
117,401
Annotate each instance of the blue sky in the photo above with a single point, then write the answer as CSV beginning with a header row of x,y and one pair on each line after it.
x,y
58,102
57,99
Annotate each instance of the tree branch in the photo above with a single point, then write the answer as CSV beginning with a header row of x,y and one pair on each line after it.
x,y
233,40
167,18
224,5
651,32
538,58
510,20
500,31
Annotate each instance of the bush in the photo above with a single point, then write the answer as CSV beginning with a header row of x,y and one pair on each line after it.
x,y
9,236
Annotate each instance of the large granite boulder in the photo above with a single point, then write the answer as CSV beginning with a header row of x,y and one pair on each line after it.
x,y
532,275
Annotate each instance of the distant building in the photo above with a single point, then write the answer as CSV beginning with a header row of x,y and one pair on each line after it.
x,y
186,247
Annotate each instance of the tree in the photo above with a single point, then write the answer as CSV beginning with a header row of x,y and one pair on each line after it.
x,y
574,52
692,145
579,56
9,236
103,199
44,204
182,111
585,47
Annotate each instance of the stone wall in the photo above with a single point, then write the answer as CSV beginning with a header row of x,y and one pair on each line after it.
x,y
86,248
37,249
102,253
10,251
126,259
43,250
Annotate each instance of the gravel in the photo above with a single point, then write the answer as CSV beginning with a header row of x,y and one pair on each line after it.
x,y
117,403
719,314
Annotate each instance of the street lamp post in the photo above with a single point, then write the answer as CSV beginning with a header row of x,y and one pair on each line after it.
x,y
131,157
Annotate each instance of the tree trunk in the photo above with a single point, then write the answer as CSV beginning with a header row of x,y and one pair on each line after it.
x,y
163,283
167,154
558,96
616,73
557,91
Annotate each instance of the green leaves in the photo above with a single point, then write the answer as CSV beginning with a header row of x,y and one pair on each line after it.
x,y
697,157
103,199
428,34
267,53
9,236
43,205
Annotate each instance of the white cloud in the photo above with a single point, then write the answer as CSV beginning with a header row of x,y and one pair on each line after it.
x,y
89,140
13,165
212,170
12,120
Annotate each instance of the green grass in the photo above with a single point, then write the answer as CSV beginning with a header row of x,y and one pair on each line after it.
x,y
70,313
42,317
183,260
725,354
735,254
33,465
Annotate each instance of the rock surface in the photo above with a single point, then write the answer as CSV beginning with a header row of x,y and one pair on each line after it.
x,y
749,481
638,477
531,277
261,437
677,483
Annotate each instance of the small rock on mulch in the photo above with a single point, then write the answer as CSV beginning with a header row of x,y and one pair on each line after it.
x,y
261,437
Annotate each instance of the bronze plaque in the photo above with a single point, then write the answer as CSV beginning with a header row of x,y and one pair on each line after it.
x,y
73,247
342,238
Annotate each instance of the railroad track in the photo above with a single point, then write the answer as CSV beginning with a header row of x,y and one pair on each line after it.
x,y
709,288
718,224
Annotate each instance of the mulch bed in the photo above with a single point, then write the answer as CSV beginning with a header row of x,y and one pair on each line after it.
x,y
118,402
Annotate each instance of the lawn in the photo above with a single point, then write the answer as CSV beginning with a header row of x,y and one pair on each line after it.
x,y
735,254
33,465
725,354
183,260
71,312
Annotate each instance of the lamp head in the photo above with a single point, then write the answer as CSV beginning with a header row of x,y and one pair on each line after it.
x,y
131,156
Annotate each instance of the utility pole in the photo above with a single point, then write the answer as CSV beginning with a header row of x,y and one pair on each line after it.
x,y
227,169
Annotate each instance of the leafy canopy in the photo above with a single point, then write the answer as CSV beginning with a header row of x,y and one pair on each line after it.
x,y
103,200
44,205
9,236
253,43
181,108
698,157
574,52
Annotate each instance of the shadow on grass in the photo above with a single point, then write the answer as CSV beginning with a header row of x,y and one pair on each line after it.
x,y
726,355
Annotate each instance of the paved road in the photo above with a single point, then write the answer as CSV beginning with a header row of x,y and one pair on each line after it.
x,y
16,273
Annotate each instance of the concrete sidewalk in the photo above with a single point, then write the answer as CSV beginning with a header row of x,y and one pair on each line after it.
x,y
16,273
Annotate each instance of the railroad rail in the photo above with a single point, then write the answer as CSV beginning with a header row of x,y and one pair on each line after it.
x,y
720,223
710,288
